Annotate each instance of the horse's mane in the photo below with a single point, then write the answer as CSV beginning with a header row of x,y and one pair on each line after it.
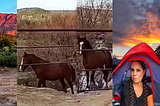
x,y
43,60
88,45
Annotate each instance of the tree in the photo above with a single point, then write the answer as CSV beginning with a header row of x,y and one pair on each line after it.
x,y
5,42
157,51
94,14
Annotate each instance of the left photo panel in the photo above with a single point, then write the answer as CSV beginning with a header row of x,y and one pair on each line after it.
x,y
8,53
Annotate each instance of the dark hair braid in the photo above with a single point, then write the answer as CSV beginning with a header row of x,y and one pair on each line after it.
x,y
131,92
145,91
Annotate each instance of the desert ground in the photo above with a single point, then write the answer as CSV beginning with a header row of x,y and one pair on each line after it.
x,y
32,96
53,96
8,86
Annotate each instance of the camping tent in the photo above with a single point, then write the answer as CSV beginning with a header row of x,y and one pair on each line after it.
x,y
140,52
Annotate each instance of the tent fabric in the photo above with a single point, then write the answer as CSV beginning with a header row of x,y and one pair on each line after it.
x,y
140,48
140,52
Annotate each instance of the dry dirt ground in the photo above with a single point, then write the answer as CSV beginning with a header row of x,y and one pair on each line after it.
x,y
8,86
32,96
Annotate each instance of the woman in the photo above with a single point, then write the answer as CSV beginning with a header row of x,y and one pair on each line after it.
x,y
136,92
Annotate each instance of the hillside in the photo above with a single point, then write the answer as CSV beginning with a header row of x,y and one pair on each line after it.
x,y
8,23
11,38
31,9
40,18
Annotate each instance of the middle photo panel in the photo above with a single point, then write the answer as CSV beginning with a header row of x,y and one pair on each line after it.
x,y
65,55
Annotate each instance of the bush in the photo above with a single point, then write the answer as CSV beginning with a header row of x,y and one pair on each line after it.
x,y
8,56
5,42
13,60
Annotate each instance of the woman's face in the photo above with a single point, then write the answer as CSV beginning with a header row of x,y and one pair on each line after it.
x,y
137,72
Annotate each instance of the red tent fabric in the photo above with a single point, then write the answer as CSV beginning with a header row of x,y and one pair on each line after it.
x,y
140,48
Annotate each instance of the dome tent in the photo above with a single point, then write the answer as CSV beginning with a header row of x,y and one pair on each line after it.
x,y
139,52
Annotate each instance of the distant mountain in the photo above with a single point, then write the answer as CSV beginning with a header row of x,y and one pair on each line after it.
x,y
31,9
116,61
8,23
37,9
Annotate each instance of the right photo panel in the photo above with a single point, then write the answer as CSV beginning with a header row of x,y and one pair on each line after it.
x,y
136,53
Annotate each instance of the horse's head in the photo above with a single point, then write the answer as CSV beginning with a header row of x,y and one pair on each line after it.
x,y
83,44
26,59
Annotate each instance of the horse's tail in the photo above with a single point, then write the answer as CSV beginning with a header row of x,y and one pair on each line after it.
x,y
108,64
108,56
73,74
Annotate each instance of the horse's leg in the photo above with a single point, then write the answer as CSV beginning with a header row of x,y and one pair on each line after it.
x,y
92,77
70,83
44,83
109,77
39,83
87,72
63,84
105,72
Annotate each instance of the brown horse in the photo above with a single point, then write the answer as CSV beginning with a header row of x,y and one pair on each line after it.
x,y
94,59
49,71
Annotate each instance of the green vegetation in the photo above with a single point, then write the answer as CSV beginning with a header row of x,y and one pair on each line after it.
x,y
8,51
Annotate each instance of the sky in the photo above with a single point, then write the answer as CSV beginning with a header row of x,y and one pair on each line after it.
x,y
48,4
8,6
134,22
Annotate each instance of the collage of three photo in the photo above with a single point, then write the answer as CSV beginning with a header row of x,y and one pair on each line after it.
x,y
80,53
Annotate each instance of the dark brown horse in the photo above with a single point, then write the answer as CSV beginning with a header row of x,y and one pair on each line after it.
x,y
94,59
51,71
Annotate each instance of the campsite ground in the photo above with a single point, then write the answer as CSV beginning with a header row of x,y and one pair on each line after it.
x,y
8,86
28,96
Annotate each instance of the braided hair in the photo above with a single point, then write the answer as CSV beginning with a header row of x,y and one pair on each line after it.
x,y
131,89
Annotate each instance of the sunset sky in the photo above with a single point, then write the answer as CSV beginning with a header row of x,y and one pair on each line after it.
x,y
8,6
135,21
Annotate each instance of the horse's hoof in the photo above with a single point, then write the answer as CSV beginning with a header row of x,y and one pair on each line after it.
x,y
87,89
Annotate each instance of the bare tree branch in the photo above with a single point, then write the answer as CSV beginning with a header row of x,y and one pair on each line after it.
x,y
94,13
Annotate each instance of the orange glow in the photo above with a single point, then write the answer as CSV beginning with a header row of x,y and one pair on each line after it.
x,y
149,32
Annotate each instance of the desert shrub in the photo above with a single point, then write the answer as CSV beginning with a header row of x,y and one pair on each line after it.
x,y
5,42
8,56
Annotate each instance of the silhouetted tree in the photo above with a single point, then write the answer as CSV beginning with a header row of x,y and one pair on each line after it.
x,y
157,51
